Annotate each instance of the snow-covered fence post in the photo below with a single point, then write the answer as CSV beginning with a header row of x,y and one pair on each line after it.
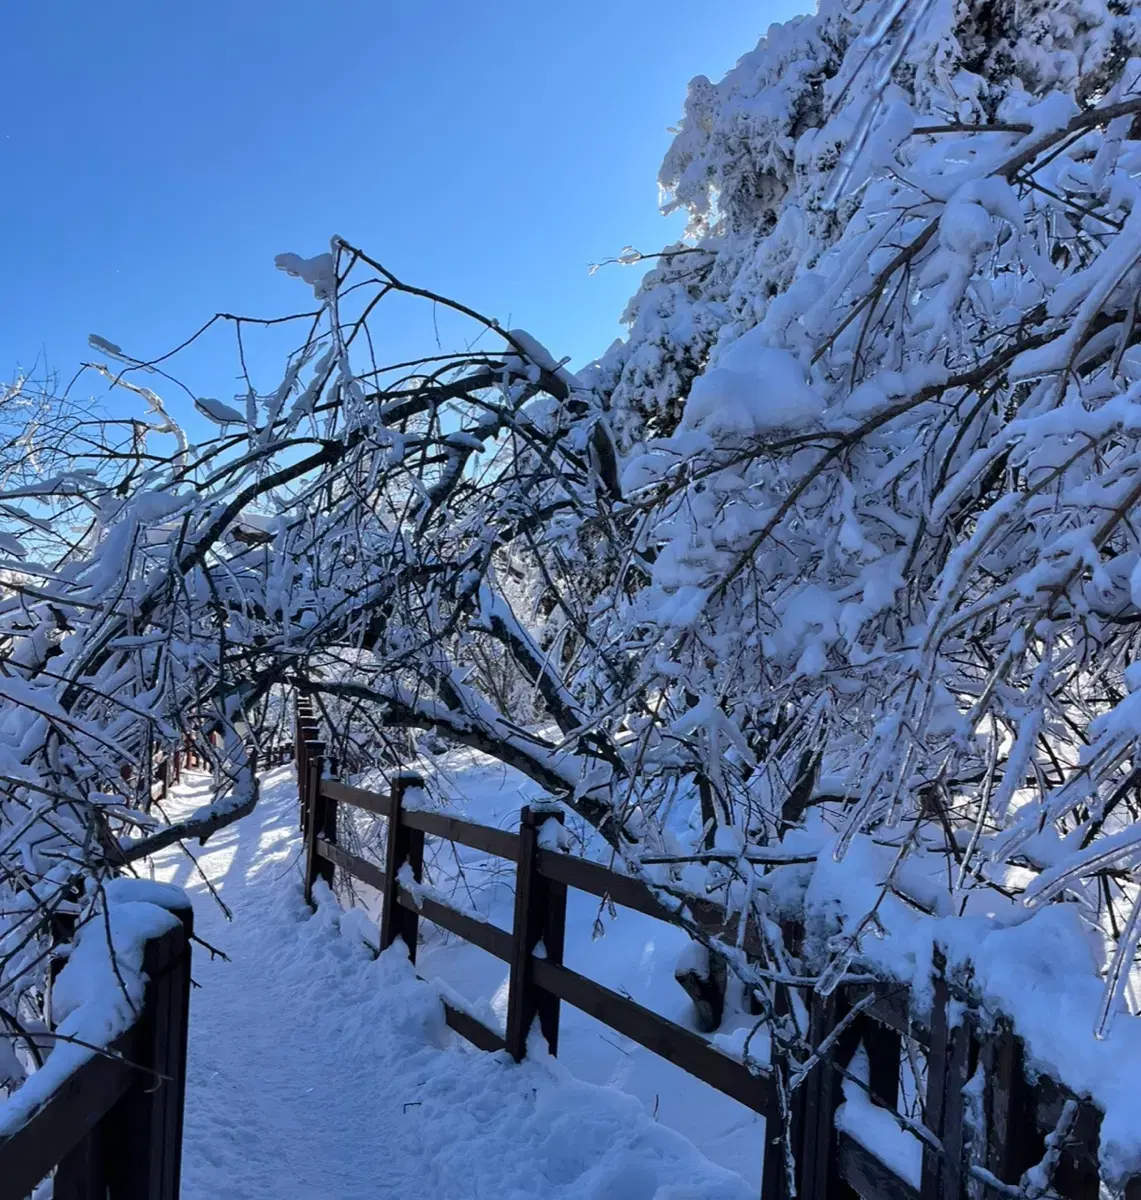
x,y
540,917
149,1141
133,1150
948,1068
405,847
299,763
1013,1142
306,732
314,822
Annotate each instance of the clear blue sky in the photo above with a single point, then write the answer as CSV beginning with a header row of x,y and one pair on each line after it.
x,y
157,155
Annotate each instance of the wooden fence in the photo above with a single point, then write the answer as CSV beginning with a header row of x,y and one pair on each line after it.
x,y
113,1129
167,766
972,1143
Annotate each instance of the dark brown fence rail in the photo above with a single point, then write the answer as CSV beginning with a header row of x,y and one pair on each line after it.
x,y
113,1129
167,765
966,1154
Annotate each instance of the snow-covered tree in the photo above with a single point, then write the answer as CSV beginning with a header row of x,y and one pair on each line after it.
x,y
831,562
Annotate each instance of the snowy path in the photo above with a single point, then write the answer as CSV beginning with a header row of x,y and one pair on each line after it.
x,y
318,1071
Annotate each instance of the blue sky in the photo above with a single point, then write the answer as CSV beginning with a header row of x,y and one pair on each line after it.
x,y
157,155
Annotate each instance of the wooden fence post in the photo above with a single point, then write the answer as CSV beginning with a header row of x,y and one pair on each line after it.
x,y
305,730
948,1069
314,821
540,916
309,734
1013,1141
154,1117
135,1152
404,846
302,772
823,1094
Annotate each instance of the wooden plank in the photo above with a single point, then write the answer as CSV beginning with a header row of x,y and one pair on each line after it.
x,y
819,1168
404,845
600,881
891,1008
953,1133
499,842
144,1132
818,1126
672,1042
1077,1174
474,1031
862,1171
63,1120
314,822
540,917
935,1102
1013,1140
373,802
483,934
82,1171
359,868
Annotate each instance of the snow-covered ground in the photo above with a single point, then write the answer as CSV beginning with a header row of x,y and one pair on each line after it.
x,y
317,1070
627,951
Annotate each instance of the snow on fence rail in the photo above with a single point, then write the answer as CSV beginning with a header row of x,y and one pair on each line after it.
x,y
985,1128
107,1119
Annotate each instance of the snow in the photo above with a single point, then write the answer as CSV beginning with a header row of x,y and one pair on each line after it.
x,y
101,343
12,545
626,951
157,505
317,1069
540,356
752,389
1041,972
878,420
317,271
219,413
876,1130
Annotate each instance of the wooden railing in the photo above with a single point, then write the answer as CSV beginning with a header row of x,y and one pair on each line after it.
x,y
167,766
828,1163
113,1129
